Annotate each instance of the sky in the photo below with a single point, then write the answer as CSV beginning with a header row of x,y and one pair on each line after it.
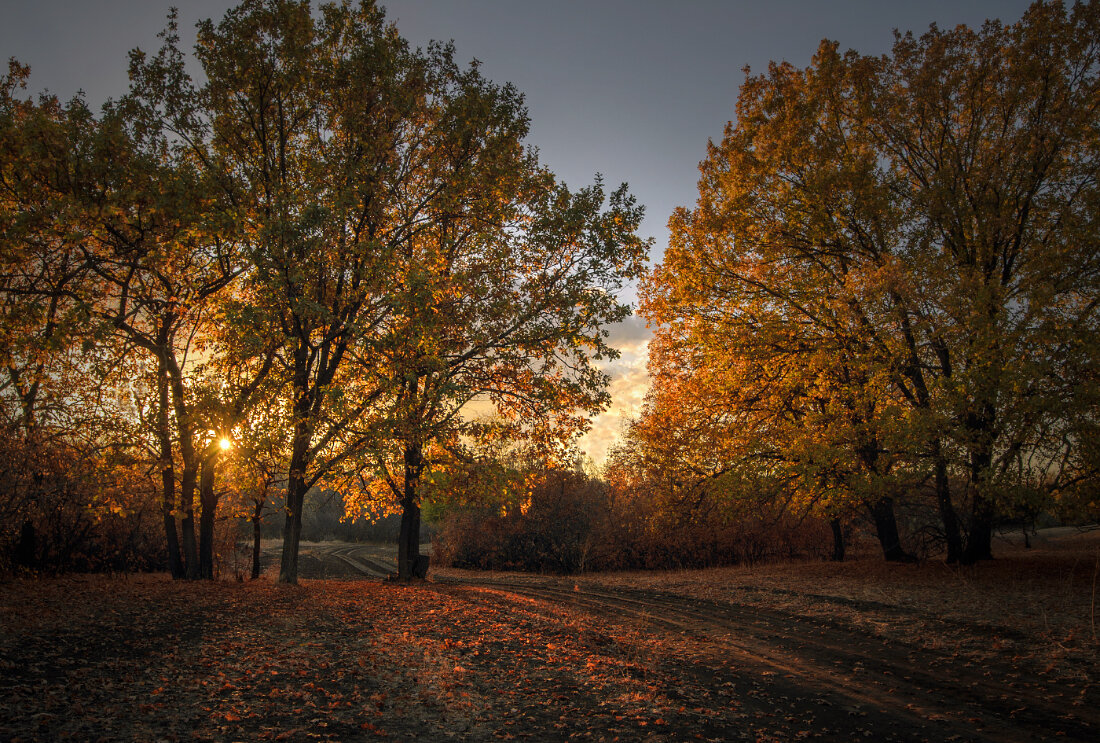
x,y
630,89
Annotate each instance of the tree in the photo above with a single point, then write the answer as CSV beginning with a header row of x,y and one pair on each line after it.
x,y
501,302
897,256
59,210
41,266
775,299
375,186
161,264
992,137
299,123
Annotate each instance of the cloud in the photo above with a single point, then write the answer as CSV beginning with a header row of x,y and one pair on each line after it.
x,y
629,336
628,387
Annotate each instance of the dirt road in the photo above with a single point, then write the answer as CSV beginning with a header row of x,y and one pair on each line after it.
x,y
340,560
732,665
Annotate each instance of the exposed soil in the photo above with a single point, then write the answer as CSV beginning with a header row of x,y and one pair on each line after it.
x,y
774,653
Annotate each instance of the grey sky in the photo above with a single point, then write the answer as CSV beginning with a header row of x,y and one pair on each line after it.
x,y
628,88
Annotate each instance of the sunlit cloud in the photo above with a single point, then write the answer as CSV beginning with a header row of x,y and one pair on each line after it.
x,y
629,384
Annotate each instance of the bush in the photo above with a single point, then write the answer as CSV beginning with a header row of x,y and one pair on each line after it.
x,y
63,509
573,523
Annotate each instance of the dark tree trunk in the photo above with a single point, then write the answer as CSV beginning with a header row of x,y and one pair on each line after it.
x,y
979,544
409,561
187,525
256,521
171,537
296,488
26,550
838,540
886,527
882,510
947,509
209,503
167,476
300,458
292,529
190,463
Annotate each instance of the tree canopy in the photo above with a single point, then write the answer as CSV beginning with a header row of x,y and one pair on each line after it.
x,y
328,244
890,278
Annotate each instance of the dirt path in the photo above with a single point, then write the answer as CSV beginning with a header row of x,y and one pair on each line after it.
x,y
826,679
798,676
336,560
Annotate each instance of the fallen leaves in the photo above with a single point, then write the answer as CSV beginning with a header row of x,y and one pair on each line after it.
x,y
148,658
145,658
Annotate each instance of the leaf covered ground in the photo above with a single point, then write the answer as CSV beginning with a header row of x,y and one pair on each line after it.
x,y
739,654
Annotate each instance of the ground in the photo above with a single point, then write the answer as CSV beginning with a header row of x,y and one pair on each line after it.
x,y
999,651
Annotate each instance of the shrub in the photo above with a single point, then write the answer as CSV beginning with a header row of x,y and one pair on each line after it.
x,y
573,523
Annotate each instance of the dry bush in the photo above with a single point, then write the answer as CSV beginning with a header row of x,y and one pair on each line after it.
x,y
63,509
555,530
572,523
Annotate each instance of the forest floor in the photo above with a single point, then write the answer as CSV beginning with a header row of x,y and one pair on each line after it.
x,y
1001,651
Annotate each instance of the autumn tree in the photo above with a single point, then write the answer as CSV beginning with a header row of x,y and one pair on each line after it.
x,y
41,267
72,394
121,248
772,292
376,185
895,257
56,399
501,303
297,123
991,135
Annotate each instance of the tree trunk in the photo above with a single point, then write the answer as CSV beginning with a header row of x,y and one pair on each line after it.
x,y
300,459
256,539
296,488
167,475
174,376
408,541
292,529
171,537
838,540
979,544
886,526
209,504
187,506
947,509
26,550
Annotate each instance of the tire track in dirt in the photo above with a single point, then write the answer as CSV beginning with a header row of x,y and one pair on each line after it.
x,y
854,667
335,561
364,564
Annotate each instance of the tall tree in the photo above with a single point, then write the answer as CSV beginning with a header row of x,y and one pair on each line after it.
x,y
500,304
364,175
777,287
904,248
162,263
304,122
992,134
87,228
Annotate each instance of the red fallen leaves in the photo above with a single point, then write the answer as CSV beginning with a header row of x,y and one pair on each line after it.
x,y
260,661
257,661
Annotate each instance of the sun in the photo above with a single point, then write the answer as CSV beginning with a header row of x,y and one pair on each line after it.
x,y
225,444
